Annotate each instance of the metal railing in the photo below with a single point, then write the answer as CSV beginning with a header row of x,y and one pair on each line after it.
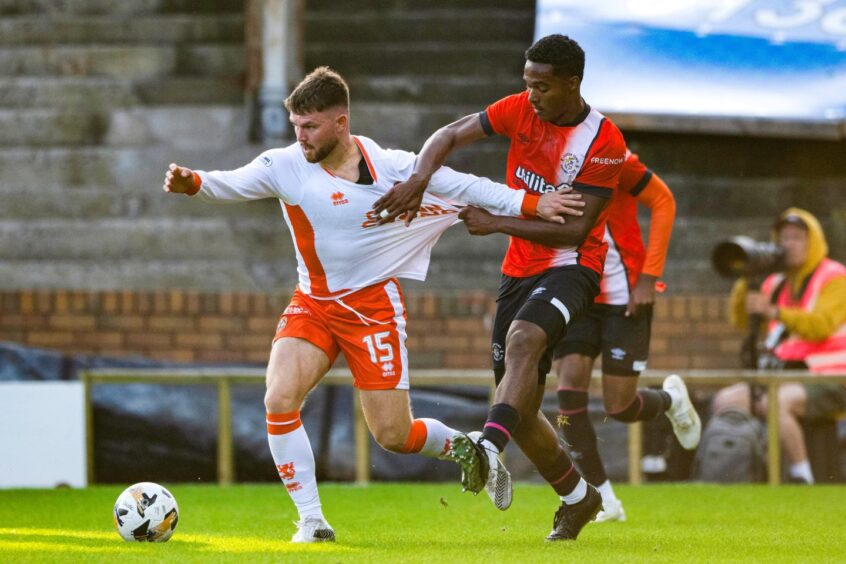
x,y
225,378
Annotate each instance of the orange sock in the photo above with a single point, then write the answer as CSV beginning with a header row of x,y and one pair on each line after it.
x,y
416,437
283,423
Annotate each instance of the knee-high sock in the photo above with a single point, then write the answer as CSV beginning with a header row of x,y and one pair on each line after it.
x,y
502,420
294,461
646,406
579,435
429,437
562,475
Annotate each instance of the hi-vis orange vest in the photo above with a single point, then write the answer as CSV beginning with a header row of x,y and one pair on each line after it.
x,y
827,356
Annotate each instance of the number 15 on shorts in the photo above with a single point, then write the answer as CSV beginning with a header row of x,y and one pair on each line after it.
x,y
376,345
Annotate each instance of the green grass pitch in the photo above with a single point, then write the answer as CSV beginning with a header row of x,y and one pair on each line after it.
x,y
436,523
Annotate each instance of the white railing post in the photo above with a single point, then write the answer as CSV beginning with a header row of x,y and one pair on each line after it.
x,y
278,23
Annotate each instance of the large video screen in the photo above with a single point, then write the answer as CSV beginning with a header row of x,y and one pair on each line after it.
x,y
768,59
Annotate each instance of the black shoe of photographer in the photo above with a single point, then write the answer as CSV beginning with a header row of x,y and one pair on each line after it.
x,y
570,519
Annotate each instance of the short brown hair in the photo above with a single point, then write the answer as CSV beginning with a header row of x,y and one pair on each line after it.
x,y
321,89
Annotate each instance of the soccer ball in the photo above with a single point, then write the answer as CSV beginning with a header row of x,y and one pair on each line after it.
x,y
146,512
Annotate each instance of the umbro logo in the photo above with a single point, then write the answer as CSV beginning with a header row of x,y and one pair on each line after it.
x,y
618,353
338,199
538,290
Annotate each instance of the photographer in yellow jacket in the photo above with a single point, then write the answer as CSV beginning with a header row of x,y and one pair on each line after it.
x,y
804,308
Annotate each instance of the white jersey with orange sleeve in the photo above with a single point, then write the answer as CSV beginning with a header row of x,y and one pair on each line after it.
x,y
339,245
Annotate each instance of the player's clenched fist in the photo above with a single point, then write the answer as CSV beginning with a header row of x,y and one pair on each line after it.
x,y
479,221
180,180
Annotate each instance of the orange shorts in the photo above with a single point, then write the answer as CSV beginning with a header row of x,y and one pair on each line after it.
x,y
368,326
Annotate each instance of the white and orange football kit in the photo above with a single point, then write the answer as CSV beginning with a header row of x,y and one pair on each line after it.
x,y
348,299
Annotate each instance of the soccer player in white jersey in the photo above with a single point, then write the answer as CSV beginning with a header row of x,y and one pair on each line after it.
x,y
348,298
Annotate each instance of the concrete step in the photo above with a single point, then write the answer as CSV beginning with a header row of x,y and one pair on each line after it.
x,y
144,167
47,203
455,25
191,90
91,203
64,92
118,238
434,89
129,274
142,30
189,127
122,7
135,62
404,126
49,127
106,92
180,127
129,168
482,58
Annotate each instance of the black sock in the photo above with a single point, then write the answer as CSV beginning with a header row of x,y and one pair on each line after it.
x,y
646,406
561,474
502,420
579,435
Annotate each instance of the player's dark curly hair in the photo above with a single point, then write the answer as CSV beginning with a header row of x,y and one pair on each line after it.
x,y
321,89
563,53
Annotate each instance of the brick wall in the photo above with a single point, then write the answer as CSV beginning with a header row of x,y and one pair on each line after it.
x,y
445,331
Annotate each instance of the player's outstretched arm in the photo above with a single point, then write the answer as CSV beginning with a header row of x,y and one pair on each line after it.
x,y
499,199
180,180
572,233
407,196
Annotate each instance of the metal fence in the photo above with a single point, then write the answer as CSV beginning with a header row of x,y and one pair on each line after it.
x,y
225,378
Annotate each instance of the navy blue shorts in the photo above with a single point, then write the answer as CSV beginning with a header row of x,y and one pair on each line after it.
x,y
552,300
623,341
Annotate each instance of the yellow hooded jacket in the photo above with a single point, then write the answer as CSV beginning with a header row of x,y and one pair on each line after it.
x,y
828,313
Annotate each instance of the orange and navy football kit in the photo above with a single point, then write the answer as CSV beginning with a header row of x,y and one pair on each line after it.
x,y
549,286
347,298
605,328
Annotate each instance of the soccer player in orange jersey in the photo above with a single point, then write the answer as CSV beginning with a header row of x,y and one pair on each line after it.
x,y
551,272
348,299
618,326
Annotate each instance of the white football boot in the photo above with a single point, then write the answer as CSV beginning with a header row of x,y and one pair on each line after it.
x,y
683,416
313,529
612,510
482,468
498,485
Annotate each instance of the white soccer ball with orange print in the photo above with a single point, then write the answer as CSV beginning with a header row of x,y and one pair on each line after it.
x,y
146,512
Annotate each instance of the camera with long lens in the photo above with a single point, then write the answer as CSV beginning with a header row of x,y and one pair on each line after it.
x,y
744,256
